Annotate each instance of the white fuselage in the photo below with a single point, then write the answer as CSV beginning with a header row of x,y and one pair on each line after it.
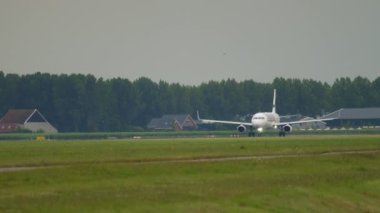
x,y
265,120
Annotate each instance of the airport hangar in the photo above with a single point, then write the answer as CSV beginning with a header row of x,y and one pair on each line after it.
x,y
354,117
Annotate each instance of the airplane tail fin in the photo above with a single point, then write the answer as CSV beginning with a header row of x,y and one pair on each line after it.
x,y
198,118
274,101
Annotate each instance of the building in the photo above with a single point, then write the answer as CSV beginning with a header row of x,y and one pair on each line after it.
x,y
354,117
16,120
173,122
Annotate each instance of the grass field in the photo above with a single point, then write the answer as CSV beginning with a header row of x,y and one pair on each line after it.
x,y
304,174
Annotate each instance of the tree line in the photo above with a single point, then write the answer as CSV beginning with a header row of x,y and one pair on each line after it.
x,y
83,103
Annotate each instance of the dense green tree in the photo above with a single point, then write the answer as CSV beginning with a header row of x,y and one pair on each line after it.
x,y
3,91
375,92
10,92
148,101
213,98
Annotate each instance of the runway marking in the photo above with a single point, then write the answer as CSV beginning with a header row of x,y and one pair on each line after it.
x,y
266,157
198,160
21,168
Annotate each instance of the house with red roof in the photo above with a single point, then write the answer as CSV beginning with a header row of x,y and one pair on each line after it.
x,y
25,119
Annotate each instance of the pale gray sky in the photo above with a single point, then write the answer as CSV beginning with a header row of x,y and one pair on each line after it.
x,y
192,41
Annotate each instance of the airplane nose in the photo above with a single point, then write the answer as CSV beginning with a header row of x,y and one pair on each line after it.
x,y
257,123
259,120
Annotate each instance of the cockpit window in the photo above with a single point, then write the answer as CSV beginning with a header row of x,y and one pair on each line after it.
x,y
259,118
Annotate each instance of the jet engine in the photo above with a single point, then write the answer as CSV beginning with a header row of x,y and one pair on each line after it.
x,y
287,128
241,128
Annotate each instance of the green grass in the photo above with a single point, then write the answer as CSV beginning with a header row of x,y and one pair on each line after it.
x,y
103,176
31,153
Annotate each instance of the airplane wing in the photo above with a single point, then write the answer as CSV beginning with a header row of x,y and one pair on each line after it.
x,y
204,121
207,121
304,121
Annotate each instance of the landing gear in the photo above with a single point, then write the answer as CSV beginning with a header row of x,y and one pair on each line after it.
x,y
281,134
251,133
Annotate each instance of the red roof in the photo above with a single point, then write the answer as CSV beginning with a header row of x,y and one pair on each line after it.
x,y
17,116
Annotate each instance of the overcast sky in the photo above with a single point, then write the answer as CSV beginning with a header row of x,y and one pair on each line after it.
x,y
192,41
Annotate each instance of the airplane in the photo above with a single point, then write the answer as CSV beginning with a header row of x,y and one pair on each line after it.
x,y
263,120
